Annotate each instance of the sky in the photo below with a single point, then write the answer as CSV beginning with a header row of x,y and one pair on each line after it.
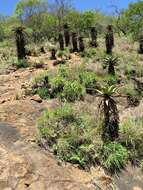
x,y
7,7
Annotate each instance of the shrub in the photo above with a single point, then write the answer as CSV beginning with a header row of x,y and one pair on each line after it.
x,y
129,90
40,85
38,64
111,80
73,90
20,63
131,136
43,92
40,77
72,137
88,79
70,73
114,156
90,53
57,84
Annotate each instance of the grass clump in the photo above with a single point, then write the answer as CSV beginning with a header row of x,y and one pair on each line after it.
x,y
57,84
43,93
70,135
131,136
88,79
20,63
114,156
72,91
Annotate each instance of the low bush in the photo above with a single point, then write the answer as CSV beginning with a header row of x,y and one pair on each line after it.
x,y
90,53
57,85
43,92
111,80
131,136
88,79
114,157
40,77
72,91
72,137
20,63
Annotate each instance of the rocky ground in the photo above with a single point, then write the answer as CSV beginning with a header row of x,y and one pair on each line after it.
x,y
26,166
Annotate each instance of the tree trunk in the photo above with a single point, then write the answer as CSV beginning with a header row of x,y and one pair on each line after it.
x,y
61,42
74,42
81,44
109,39
66,35
53,54
20,43
111,69
141,45
111,120
93,32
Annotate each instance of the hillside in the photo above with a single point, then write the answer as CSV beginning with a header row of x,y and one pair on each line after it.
x,y
25,165
71,97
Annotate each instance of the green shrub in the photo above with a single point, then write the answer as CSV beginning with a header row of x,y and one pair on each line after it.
x,y
38,64
20,63
64,71
90,53
88,79
72,137
129,89
42,92
73,90
70,73
57,84
114,156
131,136
63,54
40,77
111,80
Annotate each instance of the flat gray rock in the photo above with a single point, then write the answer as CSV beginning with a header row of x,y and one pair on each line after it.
x,y
8,134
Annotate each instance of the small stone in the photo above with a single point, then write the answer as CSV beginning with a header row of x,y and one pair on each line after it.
x,y
36,98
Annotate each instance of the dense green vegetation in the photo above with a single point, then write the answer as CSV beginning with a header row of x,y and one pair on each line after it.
x,y
96,65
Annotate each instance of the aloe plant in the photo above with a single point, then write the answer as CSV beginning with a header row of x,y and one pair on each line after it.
x,y
110,61
20,43
110,113
109,39
66,35
74,42
93,33
61,41
81,44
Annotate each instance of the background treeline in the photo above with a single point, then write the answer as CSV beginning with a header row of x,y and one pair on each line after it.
x,y
44,20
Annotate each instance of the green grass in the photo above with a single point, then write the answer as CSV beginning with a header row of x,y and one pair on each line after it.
x,y
115,157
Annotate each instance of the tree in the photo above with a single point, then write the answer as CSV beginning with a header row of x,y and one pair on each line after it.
x,y
60,8
30,13
87,20
73,20
133,19
26,9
